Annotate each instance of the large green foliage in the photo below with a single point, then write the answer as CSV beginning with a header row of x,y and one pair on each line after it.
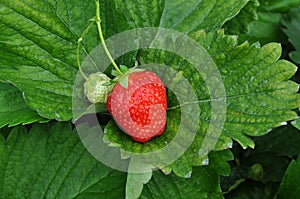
x,y
38,66
38,49
257,173
50,161
267,27
14,111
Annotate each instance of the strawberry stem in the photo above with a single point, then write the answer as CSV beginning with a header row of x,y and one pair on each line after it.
x,y
98,22
78,48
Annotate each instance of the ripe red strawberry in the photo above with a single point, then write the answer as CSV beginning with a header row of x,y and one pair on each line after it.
x,y
140,109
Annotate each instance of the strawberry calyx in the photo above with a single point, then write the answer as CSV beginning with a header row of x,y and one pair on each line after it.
x,y
123,78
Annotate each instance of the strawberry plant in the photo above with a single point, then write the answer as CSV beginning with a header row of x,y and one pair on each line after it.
x,y
149,99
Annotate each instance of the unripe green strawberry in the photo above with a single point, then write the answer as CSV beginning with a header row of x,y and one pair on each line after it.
x,y
140,109
97,88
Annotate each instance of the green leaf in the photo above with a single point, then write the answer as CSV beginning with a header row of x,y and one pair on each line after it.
x,y
14,111
268,26
4,131
44,92
51,162
223,143
282,141
136,181
255,100
203,184
278,5
240,23
43,72
292,30
219,161
251,189
296,123
38,48
266,29
289,186
180,15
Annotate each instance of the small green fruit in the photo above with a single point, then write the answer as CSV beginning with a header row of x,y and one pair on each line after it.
x,y
97,87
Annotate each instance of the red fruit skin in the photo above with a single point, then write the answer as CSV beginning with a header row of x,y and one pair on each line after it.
x,y
141,109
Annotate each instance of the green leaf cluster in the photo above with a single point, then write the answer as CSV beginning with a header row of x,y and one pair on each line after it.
x,y
268,28
38,67
259,172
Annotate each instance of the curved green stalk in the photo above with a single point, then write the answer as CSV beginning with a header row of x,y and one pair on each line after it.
x,y
98,21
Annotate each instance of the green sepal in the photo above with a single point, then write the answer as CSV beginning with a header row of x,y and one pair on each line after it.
x,y
124,69
112,82
115,73
124,81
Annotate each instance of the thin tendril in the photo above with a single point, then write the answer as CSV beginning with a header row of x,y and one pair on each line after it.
x,y
91,59
98,21
78,62
79,45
